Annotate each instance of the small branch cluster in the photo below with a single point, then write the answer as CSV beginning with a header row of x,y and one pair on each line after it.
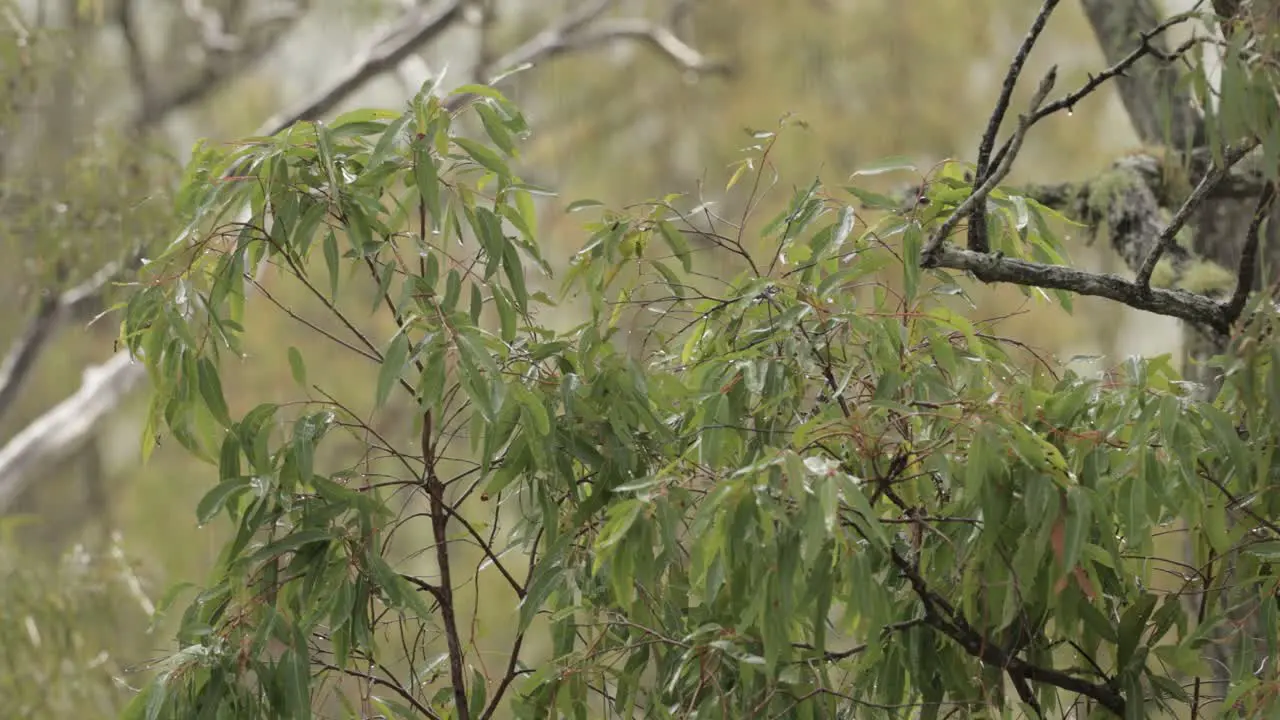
x,y
1201,311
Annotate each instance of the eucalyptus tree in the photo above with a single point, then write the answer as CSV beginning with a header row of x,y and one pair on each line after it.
x,y
810,486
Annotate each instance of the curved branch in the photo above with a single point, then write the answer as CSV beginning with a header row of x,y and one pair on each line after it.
x,y
1149,90
417,28
989,268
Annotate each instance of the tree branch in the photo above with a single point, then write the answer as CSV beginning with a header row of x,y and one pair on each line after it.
x,y
1202,190
226,56
127,23
942,616
989,268
53,308
67,426
659,37
1249,255
979,195
578,32
416,28
1149,89
978,241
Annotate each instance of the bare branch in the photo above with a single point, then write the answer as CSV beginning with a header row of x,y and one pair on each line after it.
x,y
137,62
417,27
565,37
978,241
989,268
226,56
67,426
1249,254
658,36
53,308
1149,90
979,195
1147,47
1206,185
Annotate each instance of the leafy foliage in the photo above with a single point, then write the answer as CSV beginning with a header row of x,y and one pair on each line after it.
x,y
798,490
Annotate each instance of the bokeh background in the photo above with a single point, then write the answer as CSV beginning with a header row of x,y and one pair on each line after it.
x,y
102,100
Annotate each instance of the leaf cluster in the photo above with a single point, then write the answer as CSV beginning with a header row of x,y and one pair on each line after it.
x,y
798,492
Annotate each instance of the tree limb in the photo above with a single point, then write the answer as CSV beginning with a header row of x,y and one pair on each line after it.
x,y
228,53
418,27
67,426
578,32
53,308
942,616
1149,89
1249,256
989,267
661,38
1202,190
978,241
979,195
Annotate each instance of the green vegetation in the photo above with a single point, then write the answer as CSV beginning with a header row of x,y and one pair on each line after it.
x,y
791,490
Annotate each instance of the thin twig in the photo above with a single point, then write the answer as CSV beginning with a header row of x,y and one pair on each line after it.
x,y
1144,49
978,241
1249,254
1211,178
397,43
982,191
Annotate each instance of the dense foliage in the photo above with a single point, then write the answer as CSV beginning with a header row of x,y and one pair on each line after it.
x,y
770,475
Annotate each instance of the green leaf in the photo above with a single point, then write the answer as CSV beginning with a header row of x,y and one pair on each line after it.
x,y
495,129
477,304
331,261
427,178
577,205
289,543
483,155
853,495
297,367
506,316
478,693
678,244
393,364
388,140
886,165
548,576
1132,624
533,410
872,200
211,391
452,291
514,270
1077,526
216,499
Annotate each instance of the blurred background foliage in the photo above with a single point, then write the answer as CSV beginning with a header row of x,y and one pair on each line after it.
x,y
86,175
